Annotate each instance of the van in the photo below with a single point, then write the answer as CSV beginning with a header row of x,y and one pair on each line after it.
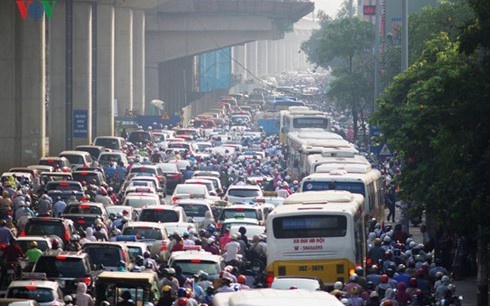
x,y
110,142
107,255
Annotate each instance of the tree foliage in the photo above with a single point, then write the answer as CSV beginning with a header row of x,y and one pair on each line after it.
x,y
345,44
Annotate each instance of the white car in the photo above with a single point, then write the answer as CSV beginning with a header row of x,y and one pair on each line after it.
x,y
153,234
192,191
139,200
45,293
195,208
243,194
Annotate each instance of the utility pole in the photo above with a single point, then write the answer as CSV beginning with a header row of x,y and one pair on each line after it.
x,y
377,77
404,35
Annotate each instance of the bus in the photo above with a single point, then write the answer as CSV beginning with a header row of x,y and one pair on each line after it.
x,y
313,161
313,141
301,117
369,184
317,234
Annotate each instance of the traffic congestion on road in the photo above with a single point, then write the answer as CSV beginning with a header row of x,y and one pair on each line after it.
x,y
262,198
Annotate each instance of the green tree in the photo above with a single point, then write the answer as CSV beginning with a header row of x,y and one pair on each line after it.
x,y
345,45
436,116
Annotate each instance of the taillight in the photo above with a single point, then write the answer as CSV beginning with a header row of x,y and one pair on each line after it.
x,y
174,199
270,278
81,221
195,261
218,225
124,256
164,246
86,280
176,177
22,234
61,257
67,236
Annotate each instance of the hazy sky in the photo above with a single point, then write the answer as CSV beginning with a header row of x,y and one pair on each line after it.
x,y
328,6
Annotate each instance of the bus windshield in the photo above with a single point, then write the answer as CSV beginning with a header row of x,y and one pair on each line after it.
x,y
309,226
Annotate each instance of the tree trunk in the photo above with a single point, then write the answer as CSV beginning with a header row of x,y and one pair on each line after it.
x,y
482,262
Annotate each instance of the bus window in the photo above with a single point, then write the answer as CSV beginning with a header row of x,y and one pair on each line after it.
x,y
309,226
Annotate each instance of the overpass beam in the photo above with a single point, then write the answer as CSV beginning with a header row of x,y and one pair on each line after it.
x,y
22,62
104,120
139,61
124,60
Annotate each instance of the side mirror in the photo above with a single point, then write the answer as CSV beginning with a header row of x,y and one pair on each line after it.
x,y
190,220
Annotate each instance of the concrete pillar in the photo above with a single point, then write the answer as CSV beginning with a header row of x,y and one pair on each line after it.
x,y
251,59
23,93
262,59
82,73
104,120
8,13
271,56
57,80
124,60
152,86
139,61
239,56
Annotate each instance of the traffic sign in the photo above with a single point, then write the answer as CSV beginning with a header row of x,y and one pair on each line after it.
x,y
385,151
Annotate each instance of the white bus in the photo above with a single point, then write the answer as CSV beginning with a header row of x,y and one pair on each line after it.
x,y
368,184
313,161
301,117
319,234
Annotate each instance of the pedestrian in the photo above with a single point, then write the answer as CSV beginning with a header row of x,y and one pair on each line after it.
x,y
390,200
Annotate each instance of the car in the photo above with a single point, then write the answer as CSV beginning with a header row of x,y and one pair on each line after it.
x,y
252,229
93,150
141,177
105,158
32,171
192,261
46,177
216,182
90,177
238,221
182,164
153,234
78,159
298,282
142,137
163,213
68,269
43,242
199,173
152,170
172,174
135,248
195,209
243,194
41,168
200,181
139,190
139,200
44,292
63,228
110,142
17,302
61,163
86,214
107,255
244,211
186,191
65,190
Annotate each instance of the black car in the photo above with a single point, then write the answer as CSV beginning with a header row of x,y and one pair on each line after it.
x,y
172,174
41,226
85,215
68,269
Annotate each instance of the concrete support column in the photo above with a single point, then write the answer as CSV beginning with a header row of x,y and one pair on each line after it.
x,y
105,70
262,59
272,56
139,61
22,79
152,86
124,60
82,72
239,56
57,80
281,55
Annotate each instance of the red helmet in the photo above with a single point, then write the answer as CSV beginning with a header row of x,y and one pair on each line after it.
x,y
384,278
241,279
413,282
182,302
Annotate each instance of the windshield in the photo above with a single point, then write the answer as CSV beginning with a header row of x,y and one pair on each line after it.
x,y
136,137
347,186
103,255
83,209
65,267
309,226
144,170
315,122
172,168
24,244
243,193
52,163
74,159
45,228
190,189
194,210
153,215
191,267
63,186
143,232
141,202
89,177
40,295
106,158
